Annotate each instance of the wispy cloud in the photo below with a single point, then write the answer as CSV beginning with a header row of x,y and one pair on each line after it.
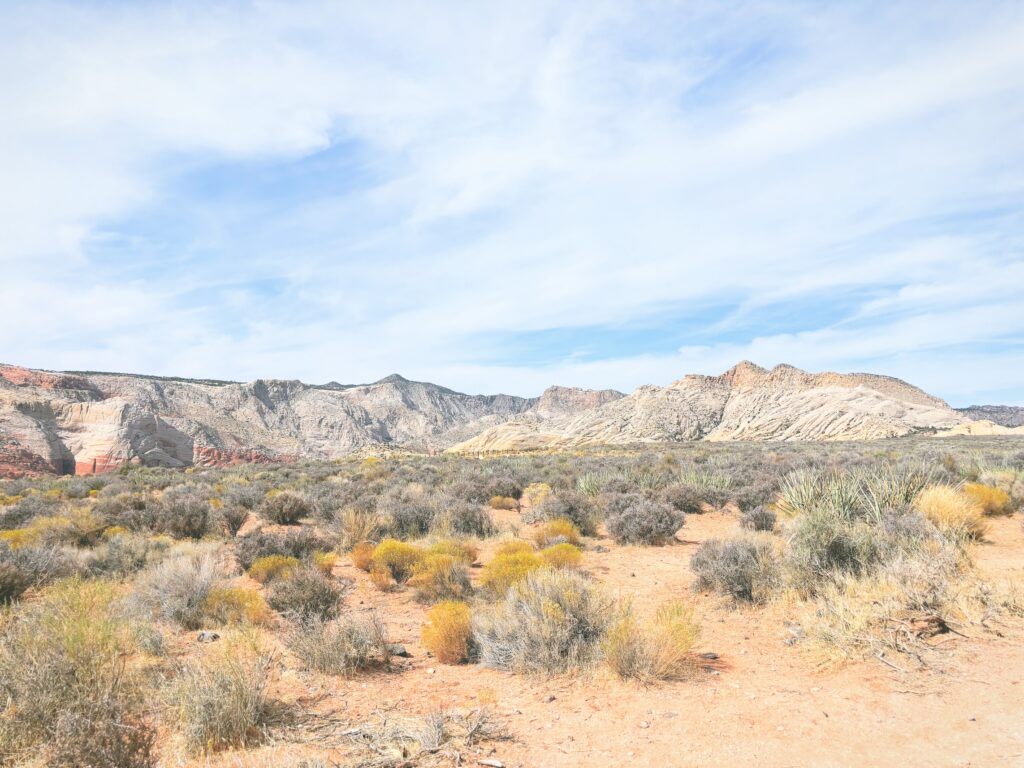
x,y
327,191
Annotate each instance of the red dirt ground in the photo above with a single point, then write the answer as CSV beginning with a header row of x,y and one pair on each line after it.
x,y
763,702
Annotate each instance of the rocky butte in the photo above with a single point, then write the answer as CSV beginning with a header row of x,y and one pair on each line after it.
x,y
96,422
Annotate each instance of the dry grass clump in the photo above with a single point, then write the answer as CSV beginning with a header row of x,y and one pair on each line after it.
x,y
343,646
448,632
220,700
393,562
899,607
558,531
563,555
952,511
76,527
176,589
440,576
745,567
510,567
442,737
235,605
70,697
306,593
503,502
993,501
462,550
358,527
324,562
266,569
655,650
362,555
553,621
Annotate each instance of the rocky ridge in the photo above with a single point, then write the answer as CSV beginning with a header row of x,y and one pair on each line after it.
x,y
96,422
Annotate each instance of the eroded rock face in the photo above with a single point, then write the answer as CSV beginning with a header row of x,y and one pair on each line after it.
x,y
84,423
78,422
747,402
1001,415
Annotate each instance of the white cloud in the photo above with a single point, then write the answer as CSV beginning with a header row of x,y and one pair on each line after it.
x,y
524,167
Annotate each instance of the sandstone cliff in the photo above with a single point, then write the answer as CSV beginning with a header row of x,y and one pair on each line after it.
x,y
97,422
745,403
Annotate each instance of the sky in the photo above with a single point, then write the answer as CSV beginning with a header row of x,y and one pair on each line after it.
x,y
501,196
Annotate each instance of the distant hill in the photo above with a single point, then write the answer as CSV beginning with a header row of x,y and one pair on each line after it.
x,y
84,422
1003,415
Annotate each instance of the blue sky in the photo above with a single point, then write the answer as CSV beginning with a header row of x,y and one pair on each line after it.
x,y
501,196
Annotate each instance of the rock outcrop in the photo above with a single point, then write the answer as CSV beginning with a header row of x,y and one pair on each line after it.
x,y
97,422
1002,415
745,403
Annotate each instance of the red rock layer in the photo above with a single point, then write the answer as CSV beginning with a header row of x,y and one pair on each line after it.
x,y
207,456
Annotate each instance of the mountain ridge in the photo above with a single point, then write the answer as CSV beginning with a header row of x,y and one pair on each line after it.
x,y
83,422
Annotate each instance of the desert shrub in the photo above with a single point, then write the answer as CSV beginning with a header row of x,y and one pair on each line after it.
x,y
185,514
270,567
221,699
22,510
362,555
176,589
234,518
76,527
306,593
509,568
134,511
408,517
558,531
503,487
33,566
300,543
745,568
462,550
758,519
324,562
13,582
245,496
460,518
440,576
564,555
121,554
823,545
952,511
71,698
503,502
448,632
396,558
358,526
234,605
553,621
566,505
644,522
534,494
756,491
342,646
655,650
993,501
284,508
514,547
682,497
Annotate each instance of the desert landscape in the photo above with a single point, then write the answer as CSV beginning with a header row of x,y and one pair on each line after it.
x,y
765,567
535,384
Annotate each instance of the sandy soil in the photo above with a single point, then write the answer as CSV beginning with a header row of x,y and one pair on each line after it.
x,y
763,702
